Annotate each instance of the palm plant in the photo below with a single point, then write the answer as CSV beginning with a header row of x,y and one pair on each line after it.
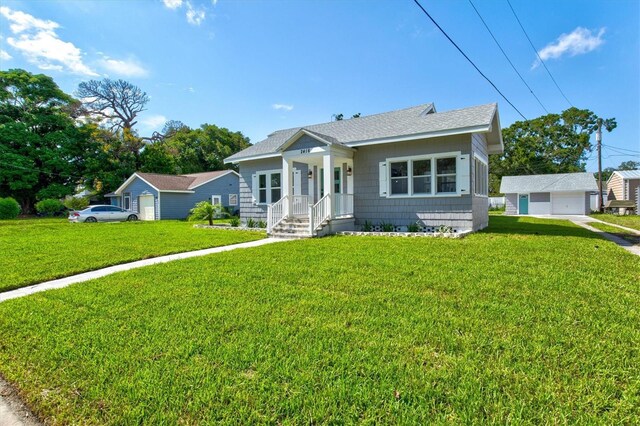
x,y
204,210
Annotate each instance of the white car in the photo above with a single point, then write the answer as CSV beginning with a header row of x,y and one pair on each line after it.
x,y
102,213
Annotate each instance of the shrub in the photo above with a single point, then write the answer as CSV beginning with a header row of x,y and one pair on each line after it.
x,y
234,221
387,227
9,208
251,223
76,203
413,227
261,224
204,210
367,226
49,207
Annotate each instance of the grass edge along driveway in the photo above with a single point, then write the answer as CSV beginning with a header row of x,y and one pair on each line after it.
x,y
39,250
533,321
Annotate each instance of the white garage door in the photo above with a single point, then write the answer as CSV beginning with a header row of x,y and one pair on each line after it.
x,y
147,207
568,203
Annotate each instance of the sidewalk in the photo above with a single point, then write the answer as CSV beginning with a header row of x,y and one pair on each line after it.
x,y
98,273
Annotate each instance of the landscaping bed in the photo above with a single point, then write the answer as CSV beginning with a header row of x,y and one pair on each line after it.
x,y
43,249
532,321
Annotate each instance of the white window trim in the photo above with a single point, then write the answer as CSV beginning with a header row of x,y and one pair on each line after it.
x,y
484,161
268,187
434,175
214,197
235,197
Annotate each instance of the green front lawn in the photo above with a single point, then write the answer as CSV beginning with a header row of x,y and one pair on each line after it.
x,y
630,221
37,250
533,321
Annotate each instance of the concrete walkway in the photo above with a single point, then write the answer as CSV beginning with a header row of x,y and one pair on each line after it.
x,y
12,411
63,282
583,221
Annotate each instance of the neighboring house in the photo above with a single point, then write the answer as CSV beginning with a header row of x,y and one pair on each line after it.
x,y
564,193
622,185
400,167
156,196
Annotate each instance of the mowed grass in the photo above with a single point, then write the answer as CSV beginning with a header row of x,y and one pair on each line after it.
x,y
531,322
632,237
630,221
36,250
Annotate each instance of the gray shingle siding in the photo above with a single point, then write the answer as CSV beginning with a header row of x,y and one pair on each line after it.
x,y
480,203
370,206
177,205
305,142
511,203
247,168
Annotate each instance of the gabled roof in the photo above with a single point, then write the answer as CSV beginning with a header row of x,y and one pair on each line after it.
x,y
548,183
420,121
628,174
175,183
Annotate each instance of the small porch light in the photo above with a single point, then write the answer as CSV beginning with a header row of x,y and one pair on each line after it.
x,y
310,174
349,171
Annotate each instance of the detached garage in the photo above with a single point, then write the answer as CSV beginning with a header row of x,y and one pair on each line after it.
x,y
561,194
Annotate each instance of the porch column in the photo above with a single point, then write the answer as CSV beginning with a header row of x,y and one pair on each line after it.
x,y
287,191
327,163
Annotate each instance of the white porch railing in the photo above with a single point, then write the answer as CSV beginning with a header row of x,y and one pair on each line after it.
x,y
300,205
276,212
342,205
318,213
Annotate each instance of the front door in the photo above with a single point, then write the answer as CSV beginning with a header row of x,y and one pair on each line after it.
x,y
523,204
337,182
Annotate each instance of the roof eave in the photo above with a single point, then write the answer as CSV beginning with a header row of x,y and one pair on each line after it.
x,y
129,180
212,179
416,136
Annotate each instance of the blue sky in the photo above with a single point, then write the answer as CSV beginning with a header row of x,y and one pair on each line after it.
x,y
259,66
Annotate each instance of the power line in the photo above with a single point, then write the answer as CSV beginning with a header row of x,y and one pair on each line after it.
x,y
467,58
615,148
536,50
507,57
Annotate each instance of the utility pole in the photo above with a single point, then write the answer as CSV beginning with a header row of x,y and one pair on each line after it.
x,y
599,142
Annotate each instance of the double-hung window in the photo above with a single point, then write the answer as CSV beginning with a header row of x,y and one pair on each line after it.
x,y
424,176
446,175
268,187
481,177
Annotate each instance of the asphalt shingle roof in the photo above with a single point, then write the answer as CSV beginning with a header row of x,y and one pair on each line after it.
x,y
548,183
405,122
179,182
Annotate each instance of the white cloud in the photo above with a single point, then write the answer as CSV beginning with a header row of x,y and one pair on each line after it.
x,y
126,68
39,43
4,55
214,2
578,42
282,107
154,121
194,16
172,4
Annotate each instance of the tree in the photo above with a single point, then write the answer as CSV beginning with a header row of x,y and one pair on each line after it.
x,y
340,117
116,102
553,143
42,150
193,150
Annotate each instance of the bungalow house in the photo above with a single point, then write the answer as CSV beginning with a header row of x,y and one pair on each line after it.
x,y
397,168
157,196
623,184
563,193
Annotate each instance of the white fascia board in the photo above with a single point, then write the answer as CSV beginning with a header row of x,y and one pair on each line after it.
x,y
212,179
297,136
177,191
128,181
428,135
496,118
252,157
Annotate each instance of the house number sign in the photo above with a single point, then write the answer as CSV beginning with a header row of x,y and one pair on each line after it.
x,y
305,151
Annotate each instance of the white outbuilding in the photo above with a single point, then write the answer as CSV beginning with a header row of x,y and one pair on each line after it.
x,y
557,194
